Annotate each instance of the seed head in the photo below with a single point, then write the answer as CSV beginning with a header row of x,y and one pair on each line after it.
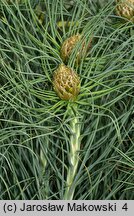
x,y
125,8
68,46
66,83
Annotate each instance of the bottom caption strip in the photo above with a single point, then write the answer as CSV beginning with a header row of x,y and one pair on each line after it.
x,y
60,207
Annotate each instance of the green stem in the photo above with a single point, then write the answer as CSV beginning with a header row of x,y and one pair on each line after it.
x,y
73,157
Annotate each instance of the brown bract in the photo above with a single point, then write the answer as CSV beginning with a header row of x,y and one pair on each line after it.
x,y
66,83
69,44
125,8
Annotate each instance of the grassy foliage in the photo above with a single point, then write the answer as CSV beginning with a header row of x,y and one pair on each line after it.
x,y
35,123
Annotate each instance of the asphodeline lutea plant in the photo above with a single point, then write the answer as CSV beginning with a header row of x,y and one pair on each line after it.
x,y
125,8
66,83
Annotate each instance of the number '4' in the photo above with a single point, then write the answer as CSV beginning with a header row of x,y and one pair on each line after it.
x,y
124,207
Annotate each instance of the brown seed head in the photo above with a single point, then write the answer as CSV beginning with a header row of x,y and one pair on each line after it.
x,y
68,46
66,83
125,8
